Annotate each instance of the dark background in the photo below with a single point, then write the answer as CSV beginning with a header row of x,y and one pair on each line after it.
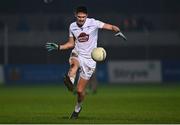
x,y
95,6
152,28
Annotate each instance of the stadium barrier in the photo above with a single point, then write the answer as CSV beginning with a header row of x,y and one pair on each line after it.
x,y
29,74
102,73
110,72
47,73
171,71
1,75
134,71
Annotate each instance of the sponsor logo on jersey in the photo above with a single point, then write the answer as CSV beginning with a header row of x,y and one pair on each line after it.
x,y
83,37
75,29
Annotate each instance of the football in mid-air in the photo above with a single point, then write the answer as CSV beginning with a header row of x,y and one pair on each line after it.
x,y
98,54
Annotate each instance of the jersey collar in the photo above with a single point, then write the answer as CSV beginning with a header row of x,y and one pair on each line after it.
x,y
83,26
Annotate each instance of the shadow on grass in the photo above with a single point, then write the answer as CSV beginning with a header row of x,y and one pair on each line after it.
x,y
80,118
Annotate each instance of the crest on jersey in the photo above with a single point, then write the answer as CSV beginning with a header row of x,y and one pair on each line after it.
x,y
83,37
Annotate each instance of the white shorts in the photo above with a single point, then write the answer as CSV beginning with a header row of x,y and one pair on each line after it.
x,y
87,66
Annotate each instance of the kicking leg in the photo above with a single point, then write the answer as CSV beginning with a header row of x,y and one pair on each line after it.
x,y
70,77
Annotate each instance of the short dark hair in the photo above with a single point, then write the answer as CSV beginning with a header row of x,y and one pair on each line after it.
x,y
82,9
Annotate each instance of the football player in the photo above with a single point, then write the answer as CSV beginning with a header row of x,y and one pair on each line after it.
x,y
83,36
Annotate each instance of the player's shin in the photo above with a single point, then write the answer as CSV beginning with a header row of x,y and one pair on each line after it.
x,y
72,72
72,77
80,98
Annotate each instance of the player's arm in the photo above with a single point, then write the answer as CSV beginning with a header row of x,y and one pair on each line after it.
x,y
68,45
114,29
111,27
53,46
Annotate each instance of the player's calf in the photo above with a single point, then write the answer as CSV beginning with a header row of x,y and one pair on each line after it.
x,y
68,83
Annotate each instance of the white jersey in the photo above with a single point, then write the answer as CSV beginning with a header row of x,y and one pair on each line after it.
x,y
86,36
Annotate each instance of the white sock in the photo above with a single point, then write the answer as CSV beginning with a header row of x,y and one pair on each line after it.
x,y
78,107
72,79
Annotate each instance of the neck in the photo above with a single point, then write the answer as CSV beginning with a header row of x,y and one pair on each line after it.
x,y
79,25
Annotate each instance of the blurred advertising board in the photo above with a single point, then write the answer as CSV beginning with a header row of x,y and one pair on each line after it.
x,y
171,71
1,75
102,73
47,73
134,71
34,73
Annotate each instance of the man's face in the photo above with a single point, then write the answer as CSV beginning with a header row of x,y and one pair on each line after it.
x,y
81,18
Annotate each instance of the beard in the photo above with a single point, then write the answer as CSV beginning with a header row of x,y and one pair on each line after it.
x,y
80,23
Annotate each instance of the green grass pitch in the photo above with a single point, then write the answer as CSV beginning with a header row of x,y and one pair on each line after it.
x,y
112,104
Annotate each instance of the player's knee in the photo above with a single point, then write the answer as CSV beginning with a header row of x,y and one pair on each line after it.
x,y
73,66
80,91
74,62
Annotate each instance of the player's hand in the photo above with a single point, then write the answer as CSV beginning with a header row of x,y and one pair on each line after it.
x,y
119,34
52,46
